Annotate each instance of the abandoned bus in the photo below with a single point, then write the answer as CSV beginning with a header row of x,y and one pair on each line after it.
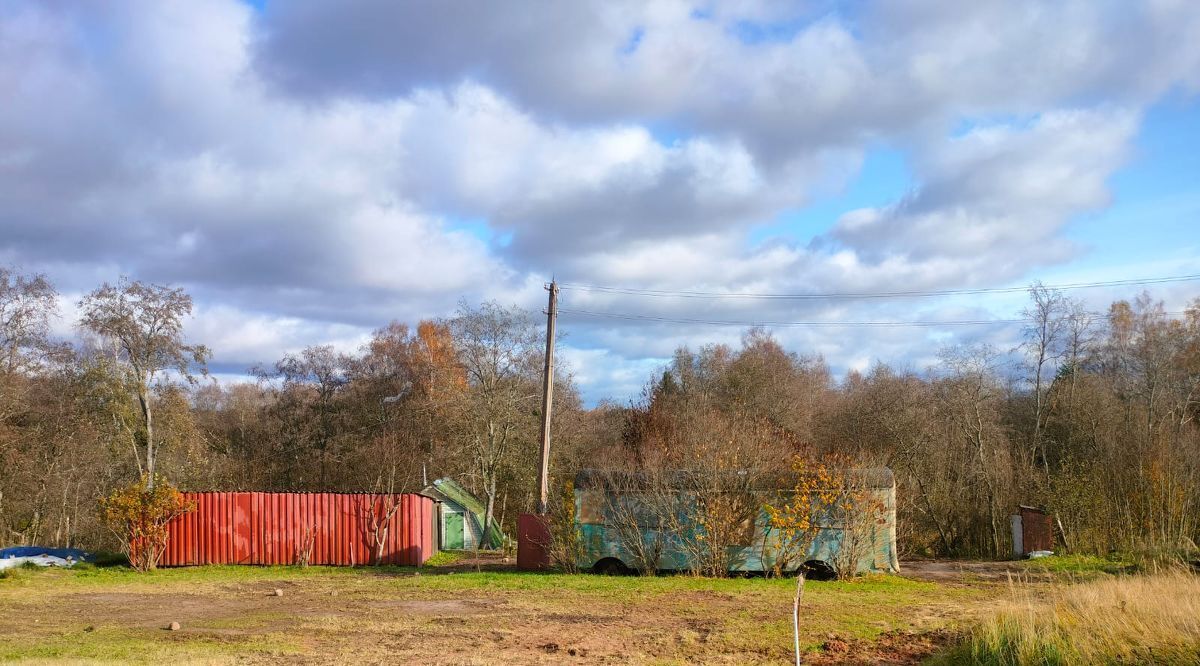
x,y
626,520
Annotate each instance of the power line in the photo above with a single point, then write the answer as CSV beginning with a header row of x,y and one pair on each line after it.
x,y
812,324
659,293
816,324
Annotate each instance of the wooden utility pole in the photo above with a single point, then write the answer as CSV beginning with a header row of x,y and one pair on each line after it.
x,y
547,401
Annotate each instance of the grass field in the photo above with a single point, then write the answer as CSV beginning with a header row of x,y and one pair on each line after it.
x,y
376,615
451,614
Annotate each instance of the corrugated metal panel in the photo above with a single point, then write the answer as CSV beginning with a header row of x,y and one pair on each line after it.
x,y
1037,531
533,540
274,528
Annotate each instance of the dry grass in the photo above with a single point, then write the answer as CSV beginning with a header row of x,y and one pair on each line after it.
x,y
1121,620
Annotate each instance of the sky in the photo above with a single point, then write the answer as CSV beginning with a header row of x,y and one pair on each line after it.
x,y
310,171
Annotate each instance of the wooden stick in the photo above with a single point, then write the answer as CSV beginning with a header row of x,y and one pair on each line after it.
x,y
796,613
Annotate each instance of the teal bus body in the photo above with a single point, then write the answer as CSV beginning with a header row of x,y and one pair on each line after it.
x,y
602,543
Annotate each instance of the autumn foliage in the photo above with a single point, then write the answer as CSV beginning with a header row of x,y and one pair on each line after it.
x,y
139,513
796,519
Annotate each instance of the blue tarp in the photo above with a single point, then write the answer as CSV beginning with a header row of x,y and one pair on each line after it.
x,y
34,551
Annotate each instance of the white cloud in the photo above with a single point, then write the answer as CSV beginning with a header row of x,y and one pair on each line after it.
x,y
603,374
809,80
316,170
246,339
994,199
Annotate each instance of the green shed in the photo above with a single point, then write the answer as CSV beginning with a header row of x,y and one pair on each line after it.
x,y
460,518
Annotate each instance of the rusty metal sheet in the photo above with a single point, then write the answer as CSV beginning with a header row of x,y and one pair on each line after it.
x,y
1037,532
533,539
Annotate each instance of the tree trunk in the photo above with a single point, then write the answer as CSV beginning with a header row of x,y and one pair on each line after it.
x,y
148,418
933,515
1039,449
490,491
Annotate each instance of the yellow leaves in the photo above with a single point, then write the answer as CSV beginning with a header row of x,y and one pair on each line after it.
x,y
139,514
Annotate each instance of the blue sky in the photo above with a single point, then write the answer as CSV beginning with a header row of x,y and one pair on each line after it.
x,y
883,178
1155,212
311,171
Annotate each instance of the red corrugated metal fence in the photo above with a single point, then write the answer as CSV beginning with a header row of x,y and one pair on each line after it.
x,y
276,528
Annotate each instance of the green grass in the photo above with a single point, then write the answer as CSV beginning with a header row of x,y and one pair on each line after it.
x,y
85,575
118,645
13,573
444,558
1080,565
878,589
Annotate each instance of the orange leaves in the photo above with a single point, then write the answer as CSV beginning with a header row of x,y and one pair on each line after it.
x,y
438,345
826,493
443,374
426,357
796,519
139,514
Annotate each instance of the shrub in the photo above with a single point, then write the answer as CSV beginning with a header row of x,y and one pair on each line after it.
x,y
138,514
795,519
861,515
566,543
826,491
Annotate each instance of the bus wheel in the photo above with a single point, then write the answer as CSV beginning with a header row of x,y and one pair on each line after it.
x,y
818,570
610,566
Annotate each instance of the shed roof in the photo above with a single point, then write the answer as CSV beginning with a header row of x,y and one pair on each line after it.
x,y
447,489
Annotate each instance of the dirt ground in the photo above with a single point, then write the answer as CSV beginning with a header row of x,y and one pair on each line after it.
x,y
969,572
454,615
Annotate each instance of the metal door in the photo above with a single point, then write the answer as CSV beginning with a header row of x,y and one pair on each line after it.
x,y
454,531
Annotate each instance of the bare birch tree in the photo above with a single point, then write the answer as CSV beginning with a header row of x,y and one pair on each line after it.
x,y
1044,335
26,305
143,326
498,349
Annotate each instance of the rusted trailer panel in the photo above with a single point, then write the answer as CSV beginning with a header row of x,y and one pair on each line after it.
x,y
278,528
1038,531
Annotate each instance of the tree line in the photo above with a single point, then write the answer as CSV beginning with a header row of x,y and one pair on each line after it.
x,y
1093,416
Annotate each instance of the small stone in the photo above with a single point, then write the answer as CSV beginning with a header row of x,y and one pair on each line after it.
x,y
174,626
278,592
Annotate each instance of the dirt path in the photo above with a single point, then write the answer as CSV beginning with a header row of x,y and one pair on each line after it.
x,y
457,616
968,572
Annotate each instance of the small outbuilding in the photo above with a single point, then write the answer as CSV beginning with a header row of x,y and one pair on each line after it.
x,y
1032,531
460,518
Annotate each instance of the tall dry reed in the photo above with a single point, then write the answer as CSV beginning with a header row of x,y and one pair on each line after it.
x,y
1152,619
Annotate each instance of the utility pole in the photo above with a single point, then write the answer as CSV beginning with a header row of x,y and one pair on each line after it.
x,y
547,400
